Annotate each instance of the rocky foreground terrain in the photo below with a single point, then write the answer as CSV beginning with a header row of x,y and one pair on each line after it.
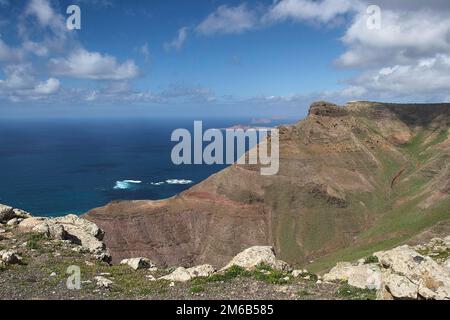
x,y
353,180
38,256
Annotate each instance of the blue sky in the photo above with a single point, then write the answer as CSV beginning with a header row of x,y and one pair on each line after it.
x,y
218,58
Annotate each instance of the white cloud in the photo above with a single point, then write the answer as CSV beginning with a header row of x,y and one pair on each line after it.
x,y
186,92
407,57
404,36
18,76
353,92
43,30
20,84
54,40
8,53
91,96
179,40
42,10
174,94
48,87
36,48
306,10
93,65
45,41
426,76
106,96
117,87
227,20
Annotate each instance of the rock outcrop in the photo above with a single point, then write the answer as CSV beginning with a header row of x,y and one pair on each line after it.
x,y
138,263
6,213
73,228
103,282
27,225
11,216
363,276
401,273
70,227
51,230
248,259
9,257
182,274
254,256
409,274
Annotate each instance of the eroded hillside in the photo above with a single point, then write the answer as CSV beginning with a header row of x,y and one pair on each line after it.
x,y
352,180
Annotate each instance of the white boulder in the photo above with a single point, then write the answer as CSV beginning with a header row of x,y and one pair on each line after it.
x,y
297,273
28,224
179,275
10,257
252,257
6,213
363,276
22,214
138,263
13,222
446,264
182,274
103,282
73,228
72,221
51,230
204,270
400,287
430,280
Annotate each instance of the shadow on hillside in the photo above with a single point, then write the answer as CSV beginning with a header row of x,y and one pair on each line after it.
x,y
421,114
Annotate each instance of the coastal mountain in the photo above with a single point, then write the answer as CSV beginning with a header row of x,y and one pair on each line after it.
x,y
353,179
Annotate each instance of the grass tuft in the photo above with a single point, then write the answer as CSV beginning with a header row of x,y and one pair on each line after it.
x,y
262,272
370,259
303,293
348,292
197,289
33,241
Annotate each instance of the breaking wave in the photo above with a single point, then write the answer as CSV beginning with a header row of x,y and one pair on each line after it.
x,y
157,183
126,184
130,184
172,181
179,181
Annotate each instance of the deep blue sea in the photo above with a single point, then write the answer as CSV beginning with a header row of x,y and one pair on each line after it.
x,y
52,167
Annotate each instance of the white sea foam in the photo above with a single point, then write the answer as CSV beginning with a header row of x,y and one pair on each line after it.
x,y
126,184
129,184
179,181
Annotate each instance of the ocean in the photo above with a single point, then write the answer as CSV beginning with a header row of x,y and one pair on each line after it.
x,y
52,167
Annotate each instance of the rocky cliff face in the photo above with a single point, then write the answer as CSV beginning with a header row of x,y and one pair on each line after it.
x,y
352,180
